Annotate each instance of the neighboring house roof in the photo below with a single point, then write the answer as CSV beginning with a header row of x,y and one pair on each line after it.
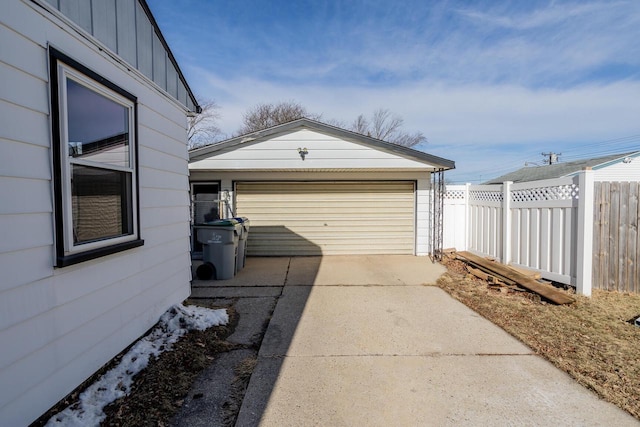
x,y
558,170
304,123
130,30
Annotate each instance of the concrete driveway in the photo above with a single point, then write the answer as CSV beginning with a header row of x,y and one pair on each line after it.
x,y
364,340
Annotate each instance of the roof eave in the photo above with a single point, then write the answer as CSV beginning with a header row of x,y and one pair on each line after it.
x,y
439,163
147,10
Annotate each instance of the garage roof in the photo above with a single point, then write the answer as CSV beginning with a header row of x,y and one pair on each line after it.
x,y
307,124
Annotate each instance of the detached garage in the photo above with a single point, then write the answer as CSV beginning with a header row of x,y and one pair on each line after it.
x,y
313,189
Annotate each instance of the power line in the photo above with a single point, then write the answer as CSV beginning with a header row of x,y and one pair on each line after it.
x,y
551,157
602,148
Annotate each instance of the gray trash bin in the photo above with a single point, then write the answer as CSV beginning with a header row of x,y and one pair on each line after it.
x,y
220,248
242,243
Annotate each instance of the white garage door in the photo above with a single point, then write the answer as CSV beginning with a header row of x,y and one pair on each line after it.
x,y
328,218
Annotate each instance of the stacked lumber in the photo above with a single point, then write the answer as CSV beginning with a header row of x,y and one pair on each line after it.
x,y
497,274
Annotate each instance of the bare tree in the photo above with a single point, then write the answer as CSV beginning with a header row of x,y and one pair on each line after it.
x,y
383,124
388,127
360,125
203,128
264,116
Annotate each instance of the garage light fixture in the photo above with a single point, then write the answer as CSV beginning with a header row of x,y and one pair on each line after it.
x,y
303,152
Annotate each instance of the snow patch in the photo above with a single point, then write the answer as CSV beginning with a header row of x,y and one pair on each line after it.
x,y
116,383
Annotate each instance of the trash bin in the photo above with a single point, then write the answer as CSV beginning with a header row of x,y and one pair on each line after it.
x,y
219,239
242,243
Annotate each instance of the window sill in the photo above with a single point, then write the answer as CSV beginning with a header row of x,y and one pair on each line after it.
x,y
65,261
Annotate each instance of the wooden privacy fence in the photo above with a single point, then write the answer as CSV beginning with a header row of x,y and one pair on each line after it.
x,y
541,225
616,245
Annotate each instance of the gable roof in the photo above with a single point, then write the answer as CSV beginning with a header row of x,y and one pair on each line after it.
x,y
304,123
558,170
129,29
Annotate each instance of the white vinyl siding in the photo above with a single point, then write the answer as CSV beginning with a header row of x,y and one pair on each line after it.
x,y
79,317
619,171
124,27
328,218
324,152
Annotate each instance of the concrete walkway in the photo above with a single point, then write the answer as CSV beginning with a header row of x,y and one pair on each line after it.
x,y
362,341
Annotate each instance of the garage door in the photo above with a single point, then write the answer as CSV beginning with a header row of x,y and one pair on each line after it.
x,y
329,218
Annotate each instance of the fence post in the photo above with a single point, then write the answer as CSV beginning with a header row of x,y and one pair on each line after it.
x,y
506,222
467,216
585,232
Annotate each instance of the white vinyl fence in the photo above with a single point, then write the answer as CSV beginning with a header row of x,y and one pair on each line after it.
x,y
541,225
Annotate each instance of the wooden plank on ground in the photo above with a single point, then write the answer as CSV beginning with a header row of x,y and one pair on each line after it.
x,y
529,273
490,271
548,292
484,276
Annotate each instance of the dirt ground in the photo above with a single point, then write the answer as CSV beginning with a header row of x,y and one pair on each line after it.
x,y
159,390
593,340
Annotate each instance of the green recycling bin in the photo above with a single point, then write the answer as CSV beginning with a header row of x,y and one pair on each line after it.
x,y
242,243
219,239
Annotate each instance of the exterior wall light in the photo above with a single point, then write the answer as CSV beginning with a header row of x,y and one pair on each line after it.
x,y
303,152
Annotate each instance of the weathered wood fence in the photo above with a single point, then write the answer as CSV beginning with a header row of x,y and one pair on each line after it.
x,y
559,227
616,243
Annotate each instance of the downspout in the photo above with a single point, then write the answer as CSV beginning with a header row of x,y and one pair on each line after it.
x,y
438,214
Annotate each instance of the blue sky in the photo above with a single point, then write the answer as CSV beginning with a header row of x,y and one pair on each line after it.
x,y
491,84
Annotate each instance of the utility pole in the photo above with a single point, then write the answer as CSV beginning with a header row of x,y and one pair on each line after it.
x,y
551,158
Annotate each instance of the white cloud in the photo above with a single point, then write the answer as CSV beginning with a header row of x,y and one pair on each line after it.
x,y
537,44
556,44
494,82
475,125
553,14
456,114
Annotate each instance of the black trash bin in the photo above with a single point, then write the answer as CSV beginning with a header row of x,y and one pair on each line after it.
x,y
219,239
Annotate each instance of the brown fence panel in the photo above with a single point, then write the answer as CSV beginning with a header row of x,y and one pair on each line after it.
x,y
615,236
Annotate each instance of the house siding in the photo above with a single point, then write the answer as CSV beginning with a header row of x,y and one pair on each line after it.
x,y
124,28
77,318
619,171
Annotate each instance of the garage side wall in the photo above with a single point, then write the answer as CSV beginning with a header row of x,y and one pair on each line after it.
x,y
59,325
424,219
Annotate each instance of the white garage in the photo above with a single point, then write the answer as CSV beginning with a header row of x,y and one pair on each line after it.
x,y
331,218
314,189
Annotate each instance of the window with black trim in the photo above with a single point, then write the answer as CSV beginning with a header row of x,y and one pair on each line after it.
x,y
95,163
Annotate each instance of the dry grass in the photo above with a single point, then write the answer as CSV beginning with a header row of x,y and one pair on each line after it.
x,y
592,340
